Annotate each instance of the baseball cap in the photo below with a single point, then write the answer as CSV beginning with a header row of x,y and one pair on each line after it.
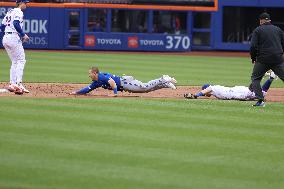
x,y
264,16
22,1
205,86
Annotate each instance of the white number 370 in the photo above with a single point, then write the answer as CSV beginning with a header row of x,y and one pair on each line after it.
x,y
175,42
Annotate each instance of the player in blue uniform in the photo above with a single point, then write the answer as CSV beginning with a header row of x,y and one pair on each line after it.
x,y
124,83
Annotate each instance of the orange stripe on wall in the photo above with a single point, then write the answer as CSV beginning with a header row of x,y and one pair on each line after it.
x,y
116,6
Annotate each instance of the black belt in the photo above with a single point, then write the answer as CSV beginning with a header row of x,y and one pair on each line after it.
x,y
9,32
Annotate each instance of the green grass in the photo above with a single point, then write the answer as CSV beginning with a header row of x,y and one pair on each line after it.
x,y
138,143
142,144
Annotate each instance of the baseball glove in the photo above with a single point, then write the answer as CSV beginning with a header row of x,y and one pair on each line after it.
x,y
189,96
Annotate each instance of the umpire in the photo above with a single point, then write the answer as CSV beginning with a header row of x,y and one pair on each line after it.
x,y
266,53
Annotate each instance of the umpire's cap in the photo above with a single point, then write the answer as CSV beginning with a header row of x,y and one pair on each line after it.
x,y
22,1
205,86
264,16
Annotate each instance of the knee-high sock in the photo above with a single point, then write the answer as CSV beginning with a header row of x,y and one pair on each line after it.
x,y
267,84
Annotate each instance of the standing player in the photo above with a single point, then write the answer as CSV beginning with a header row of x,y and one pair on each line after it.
x,y
14,36
124,83
231,93
267,45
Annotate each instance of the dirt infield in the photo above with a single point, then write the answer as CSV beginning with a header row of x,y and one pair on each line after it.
x,y
59,90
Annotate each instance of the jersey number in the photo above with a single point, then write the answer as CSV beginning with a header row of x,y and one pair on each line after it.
x,y
8,19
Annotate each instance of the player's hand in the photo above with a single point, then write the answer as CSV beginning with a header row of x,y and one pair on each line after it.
x,y
25,38
253,61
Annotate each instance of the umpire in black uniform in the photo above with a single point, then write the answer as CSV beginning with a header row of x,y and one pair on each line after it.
x,y
266,52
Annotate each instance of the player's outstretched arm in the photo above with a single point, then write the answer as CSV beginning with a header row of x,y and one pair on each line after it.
x,y
204,92
82,91
85,90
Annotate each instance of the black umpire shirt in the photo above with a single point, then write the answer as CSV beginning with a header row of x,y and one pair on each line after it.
x,y
267,44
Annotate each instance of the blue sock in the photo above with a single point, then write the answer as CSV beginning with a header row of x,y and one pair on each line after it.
x,y
199,94
266,85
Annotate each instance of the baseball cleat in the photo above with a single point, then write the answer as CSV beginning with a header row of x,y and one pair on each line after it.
x,y
170,85
167,78
169,82
173,81
23,88
13,87
272,75
259,104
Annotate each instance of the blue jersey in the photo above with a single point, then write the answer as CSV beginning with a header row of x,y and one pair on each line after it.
x,y
103,79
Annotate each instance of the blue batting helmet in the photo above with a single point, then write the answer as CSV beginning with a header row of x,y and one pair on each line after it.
x,y
205,86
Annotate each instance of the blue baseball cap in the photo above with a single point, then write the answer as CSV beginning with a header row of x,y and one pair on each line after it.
x,y
205,86
22,1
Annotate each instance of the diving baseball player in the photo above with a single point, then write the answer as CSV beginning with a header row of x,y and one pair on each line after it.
x,y
231,93
14,36
124,83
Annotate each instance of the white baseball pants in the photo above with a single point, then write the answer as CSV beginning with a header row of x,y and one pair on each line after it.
x,y
14,48
131,84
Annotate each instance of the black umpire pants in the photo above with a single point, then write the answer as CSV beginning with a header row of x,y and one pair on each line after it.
x,y
259,71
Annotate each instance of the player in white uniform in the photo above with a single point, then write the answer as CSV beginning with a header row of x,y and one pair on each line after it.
x,y
12,25
231,93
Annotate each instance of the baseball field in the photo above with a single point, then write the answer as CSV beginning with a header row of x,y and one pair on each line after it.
x,y
51,140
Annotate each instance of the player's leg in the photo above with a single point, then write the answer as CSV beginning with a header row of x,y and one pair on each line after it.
x,y
139,87
258,72
13,76
163,82
9,47
21,61
265,87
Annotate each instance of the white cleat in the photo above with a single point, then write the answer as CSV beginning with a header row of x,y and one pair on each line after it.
x,y
169,81
273,76
23,88
166,78
173,81
170,85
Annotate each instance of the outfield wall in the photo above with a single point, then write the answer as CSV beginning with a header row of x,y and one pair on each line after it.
x,y
71,26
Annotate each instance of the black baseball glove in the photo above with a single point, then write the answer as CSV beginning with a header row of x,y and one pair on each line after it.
x,y
189,96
